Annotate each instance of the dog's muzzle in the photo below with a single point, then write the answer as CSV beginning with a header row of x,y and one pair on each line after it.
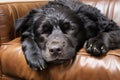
x,y
56,46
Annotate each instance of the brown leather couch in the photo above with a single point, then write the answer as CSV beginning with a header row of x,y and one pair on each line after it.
x,y
85,67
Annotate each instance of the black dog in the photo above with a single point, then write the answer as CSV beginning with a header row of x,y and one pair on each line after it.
x,y
55,32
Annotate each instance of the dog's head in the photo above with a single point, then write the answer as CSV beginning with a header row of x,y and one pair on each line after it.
x,y
57,30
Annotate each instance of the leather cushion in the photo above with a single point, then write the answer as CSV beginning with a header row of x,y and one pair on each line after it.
x,y
84,67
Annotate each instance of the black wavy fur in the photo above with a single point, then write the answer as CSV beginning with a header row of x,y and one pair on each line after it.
x,y
70,25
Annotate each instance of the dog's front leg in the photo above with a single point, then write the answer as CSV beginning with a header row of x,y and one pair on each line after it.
x,y
103,42
32,53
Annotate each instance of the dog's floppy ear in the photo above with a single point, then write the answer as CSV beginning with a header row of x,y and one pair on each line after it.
x,y
21,23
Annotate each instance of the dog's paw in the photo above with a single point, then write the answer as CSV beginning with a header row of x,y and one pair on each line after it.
x,y
96,46
35,60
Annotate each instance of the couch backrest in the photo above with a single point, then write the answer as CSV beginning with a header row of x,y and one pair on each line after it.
x,y
111,8
9,12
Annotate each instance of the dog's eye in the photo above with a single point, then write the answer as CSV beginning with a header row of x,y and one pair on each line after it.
x,y
66,27
46,29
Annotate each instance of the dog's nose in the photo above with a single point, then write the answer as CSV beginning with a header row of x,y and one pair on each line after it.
x,y
55,49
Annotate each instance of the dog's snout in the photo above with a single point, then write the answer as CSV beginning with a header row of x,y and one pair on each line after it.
x,y
55,49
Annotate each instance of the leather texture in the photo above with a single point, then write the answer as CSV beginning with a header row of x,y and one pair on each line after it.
x,y
84,67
